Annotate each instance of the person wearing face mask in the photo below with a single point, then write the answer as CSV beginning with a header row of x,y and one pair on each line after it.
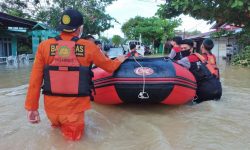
x,y
175,52
62,65
208,84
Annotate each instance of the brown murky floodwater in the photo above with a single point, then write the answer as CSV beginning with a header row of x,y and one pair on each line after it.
x,y
213,125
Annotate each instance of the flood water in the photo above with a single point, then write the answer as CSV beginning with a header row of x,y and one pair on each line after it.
x,y
212,125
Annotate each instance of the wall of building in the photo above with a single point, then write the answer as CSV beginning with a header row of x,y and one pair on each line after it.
x,y
7,46
40,35
220,45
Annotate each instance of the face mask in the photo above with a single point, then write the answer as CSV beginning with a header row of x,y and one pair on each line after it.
x,y
185,53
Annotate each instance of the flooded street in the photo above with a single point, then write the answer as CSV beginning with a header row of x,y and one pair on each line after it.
x,y
212,125
11,76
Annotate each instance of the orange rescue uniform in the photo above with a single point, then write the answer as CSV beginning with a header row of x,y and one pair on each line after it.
x,y
59,105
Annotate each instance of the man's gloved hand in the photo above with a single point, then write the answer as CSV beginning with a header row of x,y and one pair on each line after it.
x,y
33,116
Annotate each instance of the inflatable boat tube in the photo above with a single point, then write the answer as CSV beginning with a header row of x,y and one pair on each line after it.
x,y
145,80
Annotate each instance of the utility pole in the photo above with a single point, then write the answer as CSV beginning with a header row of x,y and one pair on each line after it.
x,y
184,34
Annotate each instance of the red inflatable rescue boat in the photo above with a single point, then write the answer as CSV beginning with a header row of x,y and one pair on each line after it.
x,y
145,80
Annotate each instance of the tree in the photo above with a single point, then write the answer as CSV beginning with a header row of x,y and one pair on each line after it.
x,y
191,33
15,8
95,18
187,33
151,29
117,40
243,58
222,11
104,39
129,28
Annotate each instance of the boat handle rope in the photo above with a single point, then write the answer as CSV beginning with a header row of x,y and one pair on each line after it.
x,y
194,99
142,94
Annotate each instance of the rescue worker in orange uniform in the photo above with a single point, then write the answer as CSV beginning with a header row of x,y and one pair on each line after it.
x,y
133,51
205,73
206,48
62,65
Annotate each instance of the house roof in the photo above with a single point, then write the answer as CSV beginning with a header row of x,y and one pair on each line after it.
x,y
40,26
216,28
7,20
224,26
217,25
202,35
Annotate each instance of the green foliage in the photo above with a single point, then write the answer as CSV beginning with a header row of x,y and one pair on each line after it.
x,y
129,27
14,8
116,40
221,11
150,29
243,58
104,39
24,46
95,18
23,49
187,33
244,37
221,33
195,32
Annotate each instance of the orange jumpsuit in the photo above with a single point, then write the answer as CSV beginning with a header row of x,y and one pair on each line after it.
x,y
65,112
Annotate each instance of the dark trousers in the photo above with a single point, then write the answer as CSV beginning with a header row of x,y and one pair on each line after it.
x,y
209,89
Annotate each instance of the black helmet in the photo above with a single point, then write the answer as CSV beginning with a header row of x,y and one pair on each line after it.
x,y
177,39
208,44
132,46
71,20
188,42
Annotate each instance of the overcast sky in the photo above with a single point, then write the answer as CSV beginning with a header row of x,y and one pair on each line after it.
x,y
123,10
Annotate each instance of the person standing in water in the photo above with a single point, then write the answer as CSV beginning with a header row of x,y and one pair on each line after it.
x,y
206,50
206,75
62,65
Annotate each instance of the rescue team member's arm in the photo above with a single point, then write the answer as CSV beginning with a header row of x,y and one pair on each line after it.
x,y
184,62
214,59
36,78
105,53
105,63
172,54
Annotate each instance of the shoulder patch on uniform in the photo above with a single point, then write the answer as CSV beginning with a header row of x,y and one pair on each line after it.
x,y
80,50
52,50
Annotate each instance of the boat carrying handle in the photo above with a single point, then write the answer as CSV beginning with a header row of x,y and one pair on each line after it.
x,y
143,95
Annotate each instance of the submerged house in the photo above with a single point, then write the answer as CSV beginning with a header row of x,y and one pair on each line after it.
x,y
21,36
12,30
